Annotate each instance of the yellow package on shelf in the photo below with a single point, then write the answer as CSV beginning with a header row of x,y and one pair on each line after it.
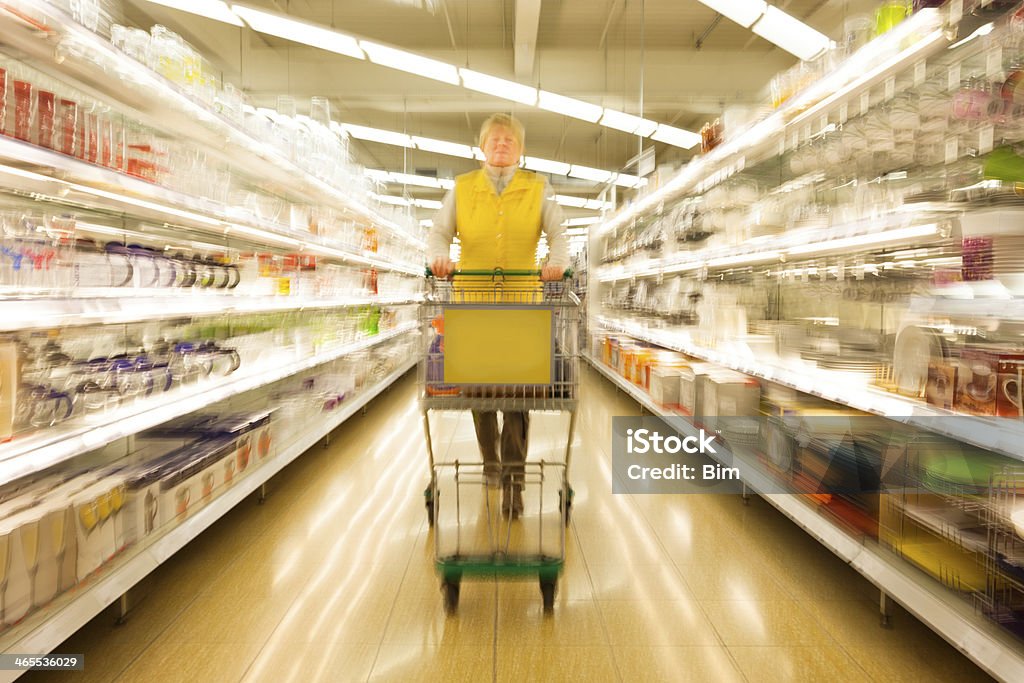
x,y
498,345
952,566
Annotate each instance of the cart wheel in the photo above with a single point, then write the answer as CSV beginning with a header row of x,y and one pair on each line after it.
x,y
428,500
565,503
451,596
547,591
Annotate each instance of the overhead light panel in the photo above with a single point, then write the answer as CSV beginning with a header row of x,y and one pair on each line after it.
x,y
389,199
498,87
479,155
627,180
409,62
677,137
546,166
628,123
791,34
596,175
211,9
299,31
427,203
567,200
743,12
442,147
386,137
597,205
426,223
568,106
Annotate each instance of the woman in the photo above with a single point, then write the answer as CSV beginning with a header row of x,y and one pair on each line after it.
x,y
498,214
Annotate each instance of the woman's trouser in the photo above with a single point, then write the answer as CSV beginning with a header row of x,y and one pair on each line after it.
x,y
512,440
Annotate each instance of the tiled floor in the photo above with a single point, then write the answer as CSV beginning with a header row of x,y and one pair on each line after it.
x,y
332,579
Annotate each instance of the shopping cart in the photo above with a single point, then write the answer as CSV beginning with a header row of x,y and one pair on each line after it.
x,y
499,341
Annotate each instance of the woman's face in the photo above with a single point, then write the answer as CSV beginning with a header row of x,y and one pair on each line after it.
x,y
501,147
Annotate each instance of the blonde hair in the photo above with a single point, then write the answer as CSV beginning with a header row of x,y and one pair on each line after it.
x,y
505,121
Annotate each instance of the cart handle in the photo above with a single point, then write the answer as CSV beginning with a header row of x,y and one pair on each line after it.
x,y
500,273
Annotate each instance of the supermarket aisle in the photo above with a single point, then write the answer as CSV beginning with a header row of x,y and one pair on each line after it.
x,y
332,580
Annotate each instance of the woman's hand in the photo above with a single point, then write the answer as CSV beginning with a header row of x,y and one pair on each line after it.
x,y
441,268
552,273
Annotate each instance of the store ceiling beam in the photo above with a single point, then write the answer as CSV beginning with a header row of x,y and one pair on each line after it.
x,y
527,24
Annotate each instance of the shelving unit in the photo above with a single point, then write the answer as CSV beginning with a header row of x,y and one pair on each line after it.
x,y
49,627
994,650
36,453
152,99
814,256
135,209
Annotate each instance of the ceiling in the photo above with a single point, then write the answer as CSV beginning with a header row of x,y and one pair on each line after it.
x,y
673,61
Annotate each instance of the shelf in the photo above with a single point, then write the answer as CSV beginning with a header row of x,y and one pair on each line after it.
x,y
937,520
38,452
43,631
794,245
1000,435
991,648
125,306
71,181
161,104
860,72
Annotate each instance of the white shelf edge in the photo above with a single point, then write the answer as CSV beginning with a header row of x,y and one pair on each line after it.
x,y
59,447
102,592
1000,435
169,204
81,311
951,620
37,45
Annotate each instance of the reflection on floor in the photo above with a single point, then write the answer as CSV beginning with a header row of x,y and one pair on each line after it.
x,y
332,579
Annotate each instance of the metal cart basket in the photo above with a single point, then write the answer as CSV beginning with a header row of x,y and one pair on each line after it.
x,y
499,341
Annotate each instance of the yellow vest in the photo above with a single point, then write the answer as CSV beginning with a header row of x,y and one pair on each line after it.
x,y
498,231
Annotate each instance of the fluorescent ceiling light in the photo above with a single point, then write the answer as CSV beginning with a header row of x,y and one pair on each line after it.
x,y
566,200
388,199
628,123
409,179
546,166
498,87
627,180
479,155
299,31
427,203
584,220
211,9
743,12
426,223
409,62
596,175
791,34
386,137
441,147
597,205
865,240
567,106
676,136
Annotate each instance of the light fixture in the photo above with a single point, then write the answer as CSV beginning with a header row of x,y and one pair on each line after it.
x,y
426,223
389,199
743,12
628,123
596,175
498,87
479,155
427,203
211,9
598,205
546,166
442,147
409,62
791,34
865,240
568,106
584,220
299,31
377,135
676,136
627,180
566,200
